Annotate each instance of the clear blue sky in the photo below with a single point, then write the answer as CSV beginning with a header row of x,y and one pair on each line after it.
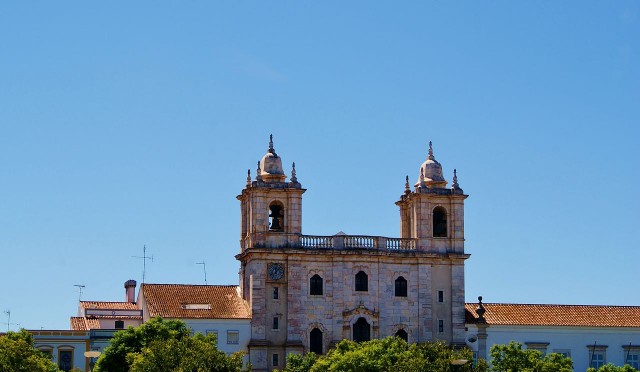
x,y
132,123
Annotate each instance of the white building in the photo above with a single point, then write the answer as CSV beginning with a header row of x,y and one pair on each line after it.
x,y
591,335
205,309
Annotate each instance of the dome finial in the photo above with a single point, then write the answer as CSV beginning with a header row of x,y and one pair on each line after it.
x,y
407,190
431,157
248,177
271,150
258,174
293,172
422,183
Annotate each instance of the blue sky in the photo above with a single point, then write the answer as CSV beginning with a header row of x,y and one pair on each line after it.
x,y
124,124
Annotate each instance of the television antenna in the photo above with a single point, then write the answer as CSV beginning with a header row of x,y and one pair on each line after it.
x,y
80,286
204,267
8,312
144,258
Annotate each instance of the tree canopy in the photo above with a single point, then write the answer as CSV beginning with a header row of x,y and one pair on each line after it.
x,y
18,354
160,345
512,357
389,354
612,368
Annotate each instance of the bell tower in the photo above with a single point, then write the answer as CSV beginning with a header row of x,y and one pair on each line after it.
x,y
271,207
432,213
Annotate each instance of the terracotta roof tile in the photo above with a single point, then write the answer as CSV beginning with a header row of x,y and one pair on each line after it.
x,y
206,301
107,305
556,315
84,324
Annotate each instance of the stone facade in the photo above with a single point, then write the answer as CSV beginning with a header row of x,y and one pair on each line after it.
x,y
411,286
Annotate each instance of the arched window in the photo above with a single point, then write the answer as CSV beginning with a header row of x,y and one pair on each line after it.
x,y
276,216
403,335
362,282
315,285
401,287
439,222
361,330
315,341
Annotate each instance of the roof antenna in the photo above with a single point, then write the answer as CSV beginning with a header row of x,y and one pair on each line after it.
x,y
144,258
80,286
8,312
204,267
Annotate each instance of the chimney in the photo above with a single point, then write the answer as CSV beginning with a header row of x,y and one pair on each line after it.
x,y
130,290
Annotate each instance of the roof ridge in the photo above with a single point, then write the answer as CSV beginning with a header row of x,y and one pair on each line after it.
x,y
564,305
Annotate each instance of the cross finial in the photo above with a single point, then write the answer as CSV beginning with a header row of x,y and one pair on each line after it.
x,y
293,172
258,174
430,157
455,185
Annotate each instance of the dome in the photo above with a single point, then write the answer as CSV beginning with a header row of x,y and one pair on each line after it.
x,y
271,165
431,172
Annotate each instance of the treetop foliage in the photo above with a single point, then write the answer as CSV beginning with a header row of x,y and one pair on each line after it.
x,y
17,354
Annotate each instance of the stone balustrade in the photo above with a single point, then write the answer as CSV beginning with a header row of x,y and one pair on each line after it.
x,y
283,240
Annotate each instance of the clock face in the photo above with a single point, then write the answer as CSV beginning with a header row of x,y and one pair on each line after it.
x,y
276,271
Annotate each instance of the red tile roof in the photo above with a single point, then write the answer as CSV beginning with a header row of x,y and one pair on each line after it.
x,y
107,305
208,301
84,324
556,315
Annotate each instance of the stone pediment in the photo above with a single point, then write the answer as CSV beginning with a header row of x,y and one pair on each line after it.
x,y
360,309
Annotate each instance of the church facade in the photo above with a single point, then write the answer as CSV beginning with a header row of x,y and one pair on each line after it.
x,y
308,292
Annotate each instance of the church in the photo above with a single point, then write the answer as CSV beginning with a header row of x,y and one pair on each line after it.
x,y
308,292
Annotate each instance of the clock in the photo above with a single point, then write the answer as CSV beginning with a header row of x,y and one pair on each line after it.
x,y
276,271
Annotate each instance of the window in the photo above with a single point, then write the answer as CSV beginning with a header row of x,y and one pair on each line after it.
x,y
403,335
539,346
274,360
119,324
632,355
361,330
276,324
47,352
233,337
597,355
564,352
633,360
362,282
275,293
439,223
276,216
401,287
440,326
315,341
315,285
65,360
440,296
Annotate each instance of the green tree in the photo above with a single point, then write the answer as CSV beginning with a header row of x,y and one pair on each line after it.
x,y
612,368
513,358
18,354
389,354
160,345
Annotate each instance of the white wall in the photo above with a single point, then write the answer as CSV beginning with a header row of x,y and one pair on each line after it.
x,y
243,326
576,339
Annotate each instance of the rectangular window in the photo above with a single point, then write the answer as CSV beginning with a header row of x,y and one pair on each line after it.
x,y
119,324
633,359
212,332
564,352
440,326
274,360
276,295
233,337
65,360
597,359
276,322
537,345
440,296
